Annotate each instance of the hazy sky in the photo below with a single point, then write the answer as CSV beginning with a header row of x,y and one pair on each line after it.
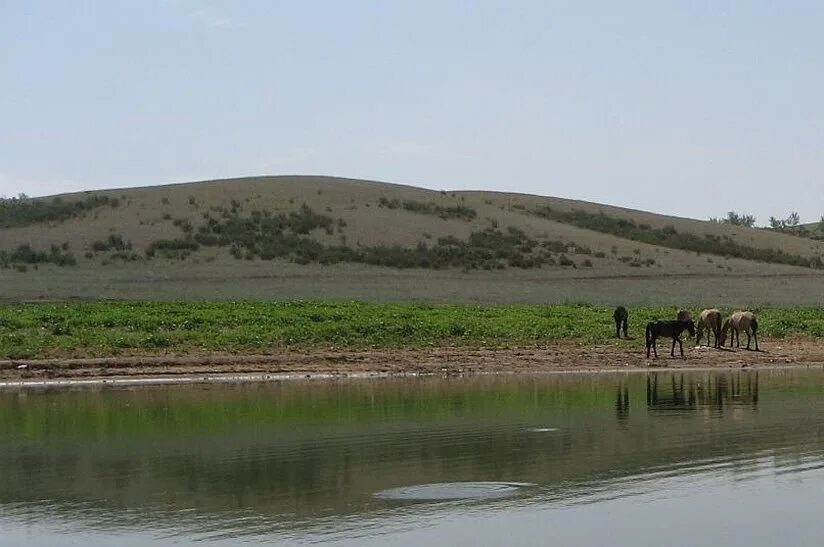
x,y
690,108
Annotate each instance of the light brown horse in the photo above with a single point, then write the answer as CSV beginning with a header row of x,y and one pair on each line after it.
x,y
709,320
738,321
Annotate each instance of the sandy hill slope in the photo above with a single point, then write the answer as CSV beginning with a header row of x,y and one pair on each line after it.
x,y
301,236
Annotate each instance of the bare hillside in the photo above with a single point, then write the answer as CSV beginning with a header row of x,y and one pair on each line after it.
x,y
235,238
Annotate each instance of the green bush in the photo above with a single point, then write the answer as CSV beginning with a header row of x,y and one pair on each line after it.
x,y
23,210
669,237
24,254
451,211
114,242
288,236
171,248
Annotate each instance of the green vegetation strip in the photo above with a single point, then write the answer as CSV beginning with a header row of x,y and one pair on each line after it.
x,y
668,236
125,328
271,236
23,211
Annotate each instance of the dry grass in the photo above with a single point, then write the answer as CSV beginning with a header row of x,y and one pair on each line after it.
x,y
227,279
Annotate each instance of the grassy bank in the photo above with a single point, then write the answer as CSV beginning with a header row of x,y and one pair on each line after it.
x,y
126,328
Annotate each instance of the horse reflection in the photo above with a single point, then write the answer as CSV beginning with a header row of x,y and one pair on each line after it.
x,y
622,402
715,391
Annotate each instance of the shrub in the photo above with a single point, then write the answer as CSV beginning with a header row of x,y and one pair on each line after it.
x,y
171,248
669,237
23,210
451,211
389,203
736,219
24,254
288,236
115,242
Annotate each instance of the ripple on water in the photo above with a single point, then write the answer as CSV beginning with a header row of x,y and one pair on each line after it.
x,y
452,491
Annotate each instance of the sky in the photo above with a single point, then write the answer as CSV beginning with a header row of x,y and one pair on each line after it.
x,y
688,108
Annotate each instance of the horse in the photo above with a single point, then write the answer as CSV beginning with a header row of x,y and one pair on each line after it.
x,y
740,320
711,321
621,317
655,329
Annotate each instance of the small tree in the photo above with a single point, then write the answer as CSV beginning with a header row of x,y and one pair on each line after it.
x,y
790,225
741,219
736,219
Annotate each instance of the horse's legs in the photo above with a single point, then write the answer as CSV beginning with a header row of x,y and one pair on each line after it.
x,y
625,328
680,346
672,351
652,343
748,338
755,335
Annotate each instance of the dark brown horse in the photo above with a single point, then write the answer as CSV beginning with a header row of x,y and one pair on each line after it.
x,y
621,319
673,329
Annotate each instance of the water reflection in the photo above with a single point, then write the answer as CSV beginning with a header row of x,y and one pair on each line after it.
x,y
676,392
276,460
622,401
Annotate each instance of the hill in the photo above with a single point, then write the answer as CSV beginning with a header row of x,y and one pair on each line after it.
x,y
324,237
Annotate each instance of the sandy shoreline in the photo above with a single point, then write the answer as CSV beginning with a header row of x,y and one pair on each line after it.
x,y
330,364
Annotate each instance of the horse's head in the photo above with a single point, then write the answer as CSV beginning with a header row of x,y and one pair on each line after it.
x,y
725,328
691,328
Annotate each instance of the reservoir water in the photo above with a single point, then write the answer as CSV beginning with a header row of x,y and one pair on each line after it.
x,y
655,458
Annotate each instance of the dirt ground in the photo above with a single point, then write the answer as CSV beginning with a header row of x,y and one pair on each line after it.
x,y
565,356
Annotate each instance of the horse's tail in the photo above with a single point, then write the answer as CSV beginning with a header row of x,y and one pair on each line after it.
x,y
648,334
754,325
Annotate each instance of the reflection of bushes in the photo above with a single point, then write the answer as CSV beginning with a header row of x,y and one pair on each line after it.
x,y
24,254
22,210
668,236
428,208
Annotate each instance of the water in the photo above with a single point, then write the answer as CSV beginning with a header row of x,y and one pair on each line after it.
x,y
713,458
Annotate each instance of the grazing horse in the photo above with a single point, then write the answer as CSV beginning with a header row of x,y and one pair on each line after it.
x,y
740,320
673,329
711,321
621,318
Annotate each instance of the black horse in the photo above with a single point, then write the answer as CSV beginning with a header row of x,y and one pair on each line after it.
x,y
621,317
673,329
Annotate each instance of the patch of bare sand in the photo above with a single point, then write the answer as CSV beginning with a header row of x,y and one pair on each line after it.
x,y
561,356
